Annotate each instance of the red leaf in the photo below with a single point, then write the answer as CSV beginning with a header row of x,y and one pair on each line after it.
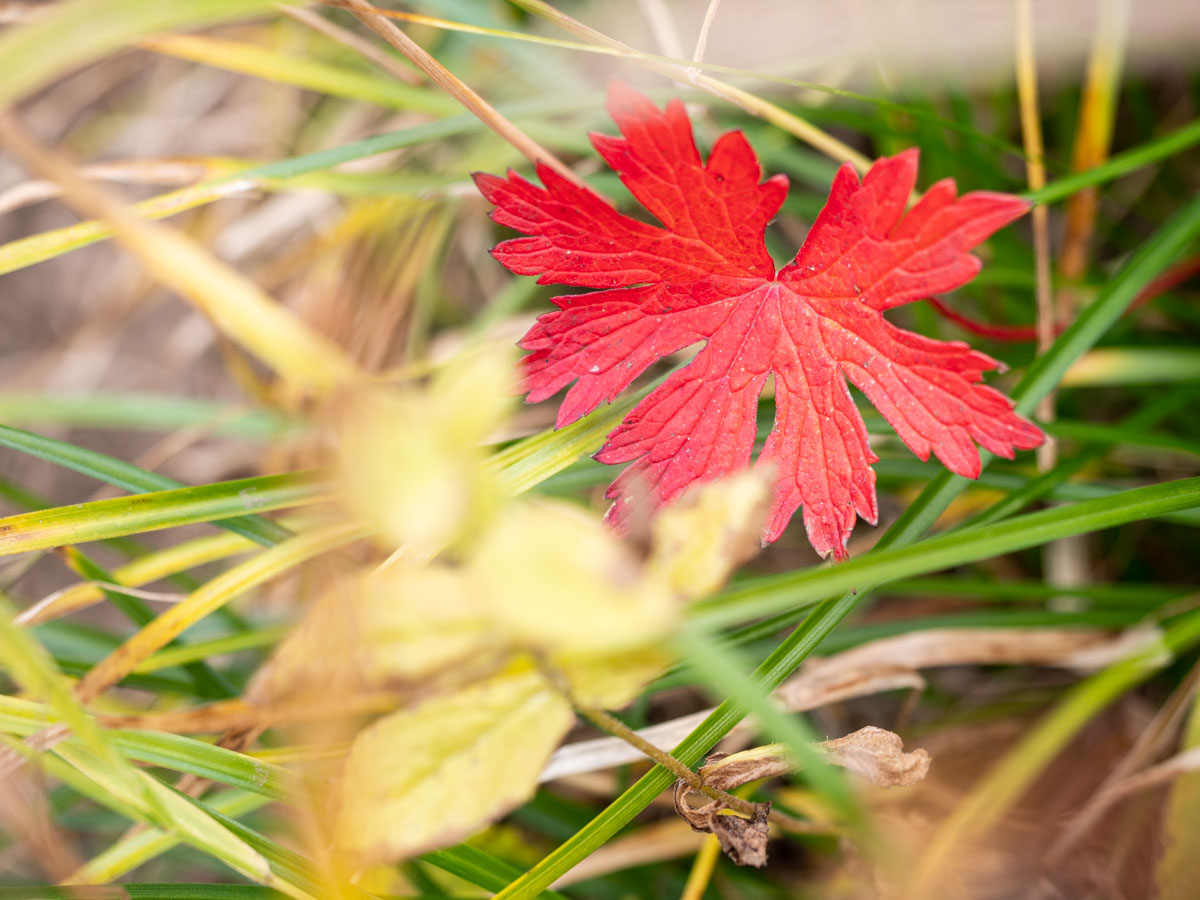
x,y
705,276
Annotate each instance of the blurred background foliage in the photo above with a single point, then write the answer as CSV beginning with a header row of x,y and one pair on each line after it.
x,y
294,328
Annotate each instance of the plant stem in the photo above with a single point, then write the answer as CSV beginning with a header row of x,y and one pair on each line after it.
x,y
606,721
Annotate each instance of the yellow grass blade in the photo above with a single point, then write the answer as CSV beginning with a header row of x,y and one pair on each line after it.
x,y
210,597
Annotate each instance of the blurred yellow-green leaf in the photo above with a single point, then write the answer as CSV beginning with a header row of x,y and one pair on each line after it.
x,y
436,774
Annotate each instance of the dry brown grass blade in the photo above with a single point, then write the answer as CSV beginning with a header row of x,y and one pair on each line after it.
x,y
1151,743
887,664
354,41
25,814
457,88
240,714
128,171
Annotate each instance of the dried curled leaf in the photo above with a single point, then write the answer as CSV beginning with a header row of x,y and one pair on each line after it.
x,y
434,774
874,753
743,840
878,755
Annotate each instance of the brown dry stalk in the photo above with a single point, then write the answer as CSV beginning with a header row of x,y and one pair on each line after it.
x,y
457,88
617,728
752,104
1124,777
239,714
355,42
614,726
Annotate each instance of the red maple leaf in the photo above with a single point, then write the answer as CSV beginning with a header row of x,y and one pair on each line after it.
x,y
705,276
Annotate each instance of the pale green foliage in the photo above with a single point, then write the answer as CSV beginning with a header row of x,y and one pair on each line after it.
x,y
428,776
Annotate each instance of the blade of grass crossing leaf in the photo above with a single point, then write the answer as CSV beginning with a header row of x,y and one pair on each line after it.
x,y
718,667
104,519
1155,254
1006,781
126,476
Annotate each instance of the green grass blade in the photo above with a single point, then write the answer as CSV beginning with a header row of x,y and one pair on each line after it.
x,y
127,476
103,519
23,718
138,848
479,867
1121,164
955,548
149,412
